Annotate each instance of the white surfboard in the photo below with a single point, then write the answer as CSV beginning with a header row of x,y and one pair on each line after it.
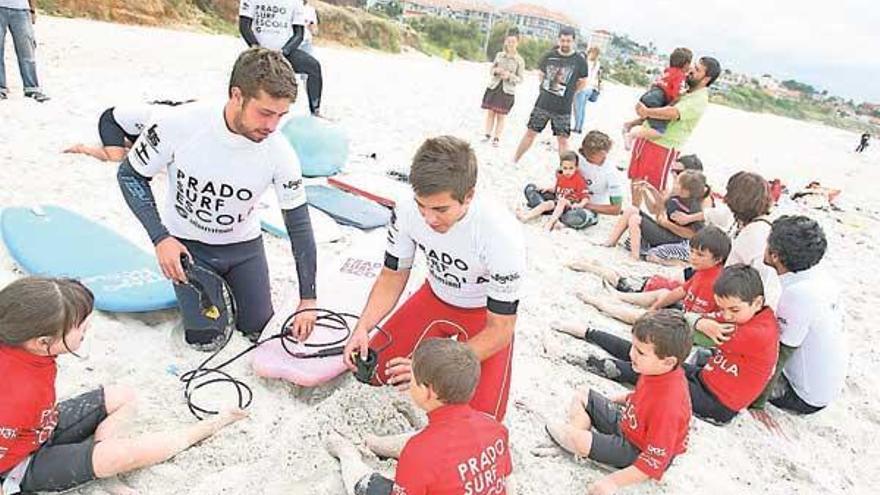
x,y
325,228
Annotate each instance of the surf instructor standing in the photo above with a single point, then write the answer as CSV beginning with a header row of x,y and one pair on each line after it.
x,y
220,160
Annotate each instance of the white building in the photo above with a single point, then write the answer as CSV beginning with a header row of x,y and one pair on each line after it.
x,y
536,21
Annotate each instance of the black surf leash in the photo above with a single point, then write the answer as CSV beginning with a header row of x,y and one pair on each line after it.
x,y
205,374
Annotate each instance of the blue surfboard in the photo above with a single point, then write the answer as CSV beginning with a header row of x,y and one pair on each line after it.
x,y
55,242
322,147
348,209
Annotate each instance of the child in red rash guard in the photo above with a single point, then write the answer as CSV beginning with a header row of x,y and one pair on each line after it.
x,y
570,191
740,367
461,450
664,92
49,447
709,249
642,431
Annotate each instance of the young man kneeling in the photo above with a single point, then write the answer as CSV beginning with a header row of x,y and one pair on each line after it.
x,y
461,450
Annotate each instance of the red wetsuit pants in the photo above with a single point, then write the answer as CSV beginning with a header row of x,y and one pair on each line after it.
x,y
424,316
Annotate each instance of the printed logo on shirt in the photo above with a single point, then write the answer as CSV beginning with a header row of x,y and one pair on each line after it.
x,y
479,474
7,433
556,79
721,362
446,269
202,203
270,17
293,185
629,416
504,282
148,143
48,422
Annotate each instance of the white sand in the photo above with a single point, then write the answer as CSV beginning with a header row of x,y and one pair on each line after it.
x,y
389,104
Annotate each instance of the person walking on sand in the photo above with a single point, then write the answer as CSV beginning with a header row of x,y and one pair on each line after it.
x,y
19,16
863,144
562,72
507,73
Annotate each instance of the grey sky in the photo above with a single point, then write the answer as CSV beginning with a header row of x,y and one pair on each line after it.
x,y
831,45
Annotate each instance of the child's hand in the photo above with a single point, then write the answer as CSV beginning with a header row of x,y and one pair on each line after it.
x,y
398,370
679,217
602,487
718,332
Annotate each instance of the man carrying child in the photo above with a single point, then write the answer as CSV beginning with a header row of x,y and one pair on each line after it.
x,y
652,157
664,92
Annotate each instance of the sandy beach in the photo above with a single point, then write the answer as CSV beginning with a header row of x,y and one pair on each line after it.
x,y
388,104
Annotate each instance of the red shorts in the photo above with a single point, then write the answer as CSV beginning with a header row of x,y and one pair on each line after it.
x,y
423,316
657,282
651,162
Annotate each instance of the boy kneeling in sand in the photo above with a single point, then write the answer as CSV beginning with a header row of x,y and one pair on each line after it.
x,y
49,447
461,450
642,431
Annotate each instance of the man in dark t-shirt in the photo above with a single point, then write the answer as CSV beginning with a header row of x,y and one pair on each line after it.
x,y
563,72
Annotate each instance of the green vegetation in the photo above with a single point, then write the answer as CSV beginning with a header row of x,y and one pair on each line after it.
x,y
754,99
530,49
628,73
440,36
390,10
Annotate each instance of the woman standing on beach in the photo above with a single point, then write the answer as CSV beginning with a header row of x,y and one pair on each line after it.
x,y
507,72
590,92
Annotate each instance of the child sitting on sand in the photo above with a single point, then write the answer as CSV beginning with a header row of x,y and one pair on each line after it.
x,y
646,233
741,365
708,252
664,92
569,192
46,446
640,432
460,451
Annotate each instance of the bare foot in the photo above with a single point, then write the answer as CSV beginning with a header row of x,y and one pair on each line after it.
x,y
76,148
584,265
567,437
587,298
521,215
569,329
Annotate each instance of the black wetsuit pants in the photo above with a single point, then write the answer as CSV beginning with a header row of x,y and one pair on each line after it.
x,y
244,268
303,63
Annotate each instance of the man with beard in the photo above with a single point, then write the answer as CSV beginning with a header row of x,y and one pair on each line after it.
x,y
220,159
563,73
652,158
